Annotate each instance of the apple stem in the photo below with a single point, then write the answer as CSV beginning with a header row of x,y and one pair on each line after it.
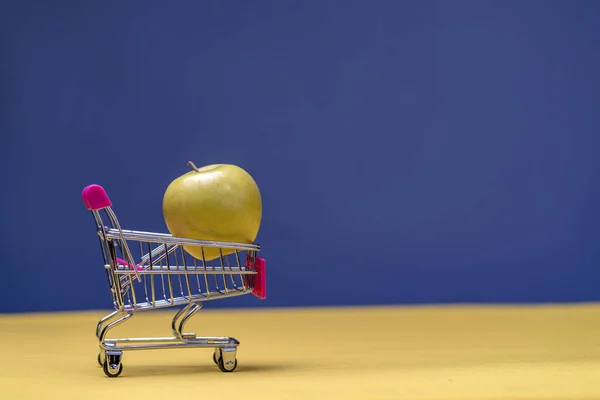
x,y
191,164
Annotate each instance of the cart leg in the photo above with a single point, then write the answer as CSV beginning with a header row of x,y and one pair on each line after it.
x,y
177,316
100,332
102,321
110,359
179,320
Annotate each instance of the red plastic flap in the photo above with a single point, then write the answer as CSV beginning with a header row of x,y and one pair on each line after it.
x,y
95,197
260,284
124,262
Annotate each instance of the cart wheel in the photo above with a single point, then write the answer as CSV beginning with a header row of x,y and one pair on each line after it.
x,y
112,365
100,360
229,367
225,359
113,370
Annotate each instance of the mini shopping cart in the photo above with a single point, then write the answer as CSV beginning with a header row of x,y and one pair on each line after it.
x,y
164,275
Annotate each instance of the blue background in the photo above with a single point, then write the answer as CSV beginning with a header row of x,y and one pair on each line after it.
x,y
407,151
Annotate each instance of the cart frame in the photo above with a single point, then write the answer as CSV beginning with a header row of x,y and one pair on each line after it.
x,y
150,283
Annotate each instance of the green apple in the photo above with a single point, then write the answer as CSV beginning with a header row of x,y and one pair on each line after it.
x,y
219,202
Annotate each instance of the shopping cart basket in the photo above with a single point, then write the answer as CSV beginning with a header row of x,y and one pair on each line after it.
x,y
149,271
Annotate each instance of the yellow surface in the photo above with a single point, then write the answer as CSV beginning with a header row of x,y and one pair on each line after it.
x,y
377,353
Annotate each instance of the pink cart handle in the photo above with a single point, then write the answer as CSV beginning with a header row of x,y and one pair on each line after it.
x,y
95,197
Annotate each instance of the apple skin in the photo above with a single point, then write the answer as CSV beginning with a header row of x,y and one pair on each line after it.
x,y
219,202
